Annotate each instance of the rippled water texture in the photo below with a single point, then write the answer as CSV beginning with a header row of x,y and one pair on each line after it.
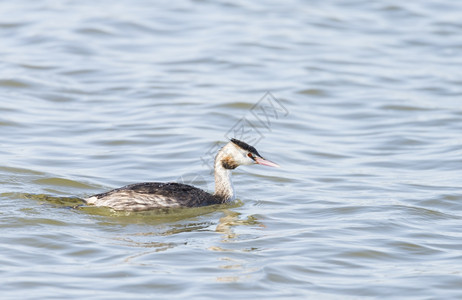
x,y
364,115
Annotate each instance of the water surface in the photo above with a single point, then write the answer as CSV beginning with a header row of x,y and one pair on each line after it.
x,y
363,115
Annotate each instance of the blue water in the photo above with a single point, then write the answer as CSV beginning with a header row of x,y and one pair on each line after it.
x,y
358,101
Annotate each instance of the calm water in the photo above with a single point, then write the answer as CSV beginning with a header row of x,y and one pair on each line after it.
x,y
364,115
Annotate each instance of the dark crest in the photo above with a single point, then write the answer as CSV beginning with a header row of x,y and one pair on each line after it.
x,y
245,146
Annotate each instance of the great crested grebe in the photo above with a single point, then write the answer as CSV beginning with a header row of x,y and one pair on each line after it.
x,y
152,195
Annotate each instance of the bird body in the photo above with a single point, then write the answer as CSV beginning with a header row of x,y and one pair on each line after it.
x,y
152,195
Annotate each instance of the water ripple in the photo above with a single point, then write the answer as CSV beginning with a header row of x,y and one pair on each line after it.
x,y
366,204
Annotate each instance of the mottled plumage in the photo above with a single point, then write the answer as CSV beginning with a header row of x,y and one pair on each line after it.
x,y
149,195
152,195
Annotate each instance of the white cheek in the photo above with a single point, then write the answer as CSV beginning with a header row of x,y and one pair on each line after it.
x,y
248,161
242,160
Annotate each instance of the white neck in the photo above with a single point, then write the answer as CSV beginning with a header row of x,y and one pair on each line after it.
x,y
223,185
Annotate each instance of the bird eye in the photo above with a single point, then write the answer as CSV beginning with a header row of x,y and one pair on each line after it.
x,y
250,155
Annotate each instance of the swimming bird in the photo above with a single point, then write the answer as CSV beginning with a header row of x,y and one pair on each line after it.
x,y
152,195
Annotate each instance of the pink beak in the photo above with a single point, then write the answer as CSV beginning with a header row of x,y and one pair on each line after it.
x,y
264,162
